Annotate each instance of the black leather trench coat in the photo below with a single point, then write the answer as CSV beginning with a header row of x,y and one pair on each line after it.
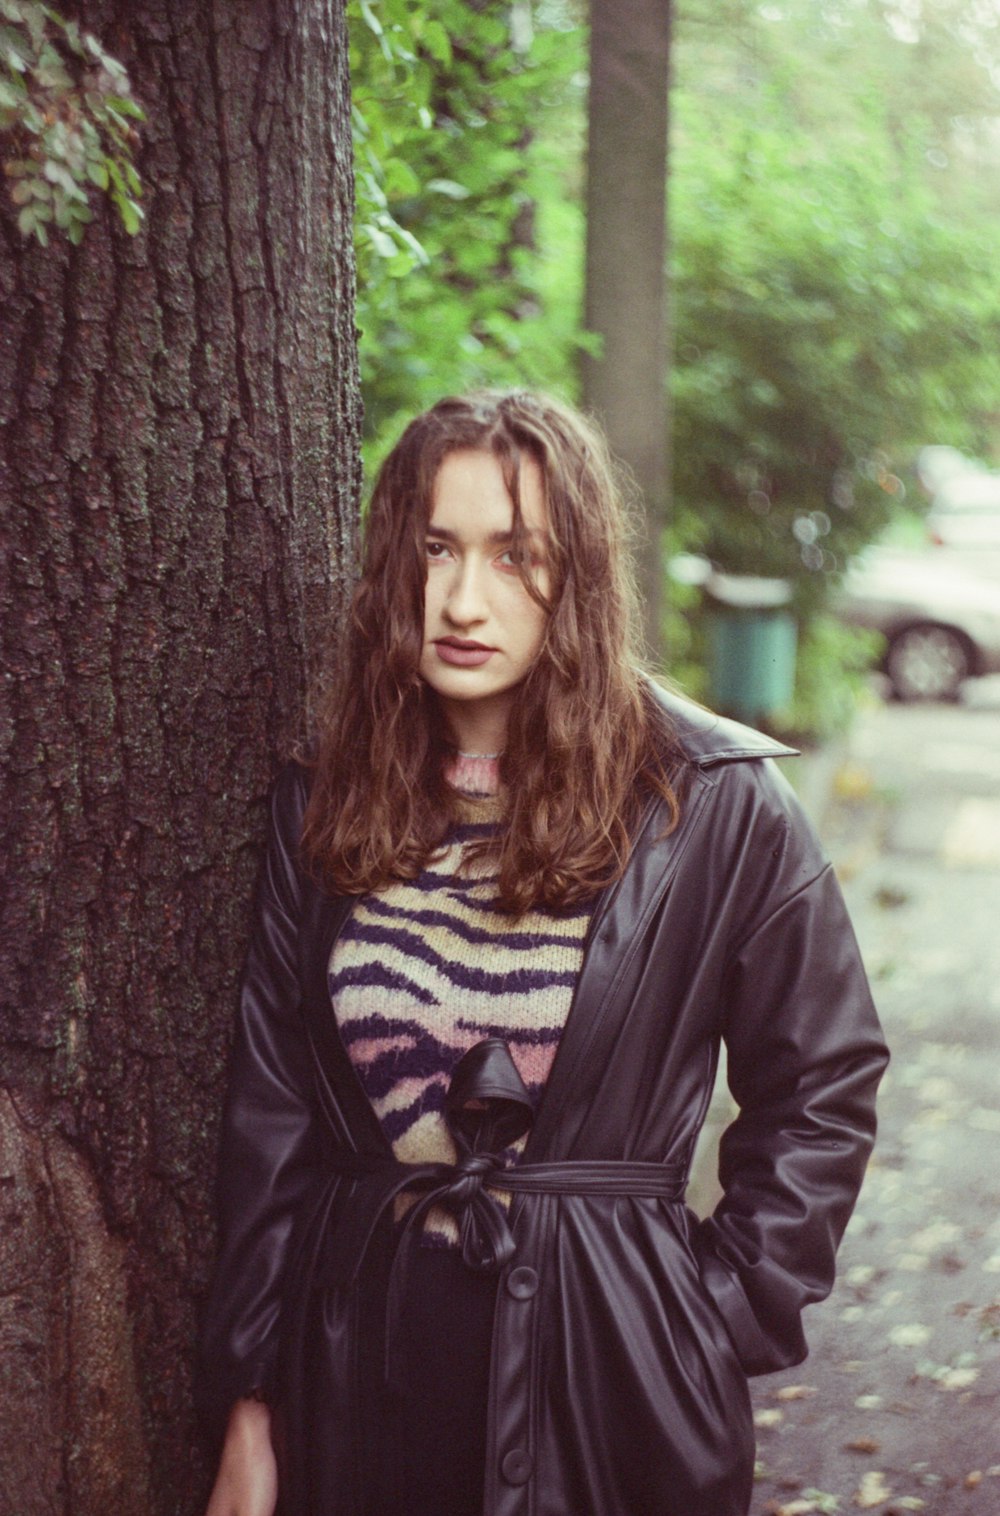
x,y
625,1326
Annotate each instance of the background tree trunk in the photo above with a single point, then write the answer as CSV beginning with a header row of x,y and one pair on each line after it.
x,y
179,421
625,301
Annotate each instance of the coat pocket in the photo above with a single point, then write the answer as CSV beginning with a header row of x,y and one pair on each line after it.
x,y
639,1364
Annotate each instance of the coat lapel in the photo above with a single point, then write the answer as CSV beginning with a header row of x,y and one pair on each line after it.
x,y
616,931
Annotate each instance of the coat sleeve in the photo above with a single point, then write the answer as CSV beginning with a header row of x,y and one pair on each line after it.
x,y
270,1134
805,1055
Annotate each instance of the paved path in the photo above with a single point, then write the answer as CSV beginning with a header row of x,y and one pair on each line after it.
x,y
898,1407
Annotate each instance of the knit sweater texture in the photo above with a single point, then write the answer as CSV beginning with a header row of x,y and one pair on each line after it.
x,y
426,968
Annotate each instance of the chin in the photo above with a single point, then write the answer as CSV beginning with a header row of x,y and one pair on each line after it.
x,y
461,689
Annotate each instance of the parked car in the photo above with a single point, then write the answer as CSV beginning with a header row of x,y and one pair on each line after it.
x,y
965,511
938,611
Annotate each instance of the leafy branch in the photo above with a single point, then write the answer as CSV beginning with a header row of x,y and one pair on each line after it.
x,y
68,113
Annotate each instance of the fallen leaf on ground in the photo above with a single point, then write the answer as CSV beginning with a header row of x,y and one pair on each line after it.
x,y
974,1480
911,1335
935,1236
872,1491
868,1402
863,1445
957,1379
794,1392
768,1418
853,781
809,1502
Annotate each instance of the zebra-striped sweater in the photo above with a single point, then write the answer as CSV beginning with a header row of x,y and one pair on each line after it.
x,y
427,967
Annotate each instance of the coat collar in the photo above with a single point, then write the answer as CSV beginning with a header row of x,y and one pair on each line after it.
x,y
706,739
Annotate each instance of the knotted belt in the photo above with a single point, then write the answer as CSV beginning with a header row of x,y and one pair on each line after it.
x,y
487,1107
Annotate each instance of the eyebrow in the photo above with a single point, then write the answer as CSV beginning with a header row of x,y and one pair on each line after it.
x,y
494,539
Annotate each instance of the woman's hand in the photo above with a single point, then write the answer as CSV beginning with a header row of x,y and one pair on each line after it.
x,y
247,1481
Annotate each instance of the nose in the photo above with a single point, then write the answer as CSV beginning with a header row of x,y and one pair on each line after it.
x,y
465,605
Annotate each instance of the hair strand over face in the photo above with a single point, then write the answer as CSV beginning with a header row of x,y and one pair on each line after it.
x,y
586,743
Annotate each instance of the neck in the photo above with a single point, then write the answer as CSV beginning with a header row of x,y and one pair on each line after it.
x,y
478,726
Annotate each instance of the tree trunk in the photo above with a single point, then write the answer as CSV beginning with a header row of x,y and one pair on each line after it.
x,y
179,415
625,301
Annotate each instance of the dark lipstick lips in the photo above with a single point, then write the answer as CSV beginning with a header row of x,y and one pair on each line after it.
x,y
461,653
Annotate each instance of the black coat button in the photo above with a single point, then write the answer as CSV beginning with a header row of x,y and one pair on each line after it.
x,y
516,1467
522,1282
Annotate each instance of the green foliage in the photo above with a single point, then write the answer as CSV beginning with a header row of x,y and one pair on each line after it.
x,y
468,122
830,678
68,112
833,199
831,313
834,294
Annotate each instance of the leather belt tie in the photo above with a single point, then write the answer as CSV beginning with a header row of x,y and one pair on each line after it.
x,y
487,1107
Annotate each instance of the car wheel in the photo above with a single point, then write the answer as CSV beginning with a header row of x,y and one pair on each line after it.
x,y
927,663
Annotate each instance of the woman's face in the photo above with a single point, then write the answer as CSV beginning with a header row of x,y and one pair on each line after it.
x,y
482,630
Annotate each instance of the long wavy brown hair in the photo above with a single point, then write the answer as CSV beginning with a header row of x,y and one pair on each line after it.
x,y
586,739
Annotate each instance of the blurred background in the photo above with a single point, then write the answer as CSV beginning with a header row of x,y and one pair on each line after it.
x,y
833,362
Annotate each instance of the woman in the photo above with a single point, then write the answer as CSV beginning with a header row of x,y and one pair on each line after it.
x,y
506,916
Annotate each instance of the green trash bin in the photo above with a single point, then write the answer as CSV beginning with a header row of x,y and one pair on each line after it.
x,y
752,645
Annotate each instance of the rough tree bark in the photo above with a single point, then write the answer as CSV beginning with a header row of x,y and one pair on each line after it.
x,y
179,421
626,293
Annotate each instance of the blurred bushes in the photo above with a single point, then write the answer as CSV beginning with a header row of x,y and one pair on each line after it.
x,y
833,201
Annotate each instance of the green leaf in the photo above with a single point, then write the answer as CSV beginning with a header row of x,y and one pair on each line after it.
x,y
12,92
370,19
73,39
50,71
57,173
124,105
10,51
131,216
383,244
449,188
400,180
435,39
97,173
